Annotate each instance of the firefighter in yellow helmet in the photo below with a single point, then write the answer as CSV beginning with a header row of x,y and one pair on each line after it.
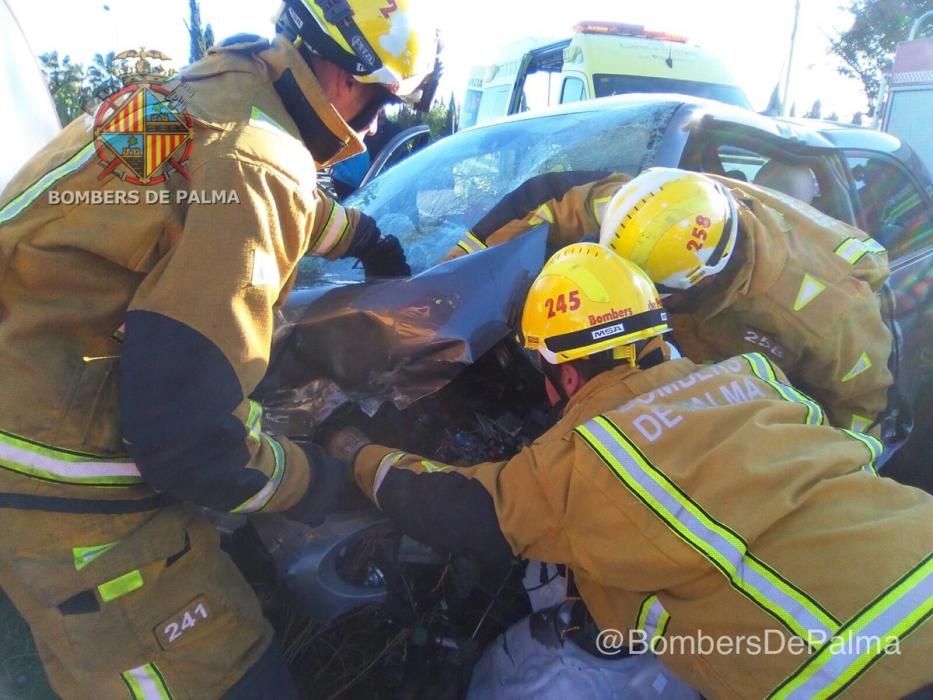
x,y
691,502
136,322
745,268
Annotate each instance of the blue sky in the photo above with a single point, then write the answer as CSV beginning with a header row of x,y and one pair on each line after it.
x,y
750,36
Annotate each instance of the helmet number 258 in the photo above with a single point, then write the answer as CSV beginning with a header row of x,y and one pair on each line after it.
x,y
559,304
699,233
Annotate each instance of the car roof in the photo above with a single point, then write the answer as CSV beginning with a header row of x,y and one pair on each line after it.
x,y
697,109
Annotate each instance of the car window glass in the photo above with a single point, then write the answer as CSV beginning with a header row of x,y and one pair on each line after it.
x,y
740,163
612,84
431,199
894,210
573,90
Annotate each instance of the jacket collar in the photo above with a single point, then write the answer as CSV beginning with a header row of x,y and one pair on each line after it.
x,y
637,382
329,138
764,254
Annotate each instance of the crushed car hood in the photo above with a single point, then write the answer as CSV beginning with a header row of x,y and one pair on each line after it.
x,y
394,340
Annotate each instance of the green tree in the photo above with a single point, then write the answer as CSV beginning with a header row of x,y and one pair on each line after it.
x,y
200,40
867,48
102,76
66,84
816,111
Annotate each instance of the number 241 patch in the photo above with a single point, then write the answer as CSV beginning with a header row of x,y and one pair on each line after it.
x,y
194,614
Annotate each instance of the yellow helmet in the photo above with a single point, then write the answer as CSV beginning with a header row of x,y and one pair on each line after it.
x,y
680,227
386,42
587,300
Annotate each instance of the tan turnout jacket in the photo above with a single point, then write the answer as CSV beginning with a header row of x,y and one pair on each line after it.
x,y
701,505
805,295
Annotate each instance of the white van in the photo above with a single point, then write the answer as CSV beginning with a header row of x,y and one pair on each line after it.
x,y
598,60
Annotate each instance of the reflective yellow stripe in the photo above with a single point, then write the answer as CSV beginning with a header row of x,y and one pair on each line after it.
x,y
851,250
862,365
63,466
261,499
254,420
872,444
720,546
21,202
471,244
120,586
903,207
146,683
810,289
542,214
763,369
890,618
333,232
85,555
859,423
652,619
260,119
599,208
874,246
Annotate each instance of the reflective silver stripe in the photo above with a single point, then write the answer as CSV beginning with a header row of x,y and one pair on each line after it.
x,y
851,250
840,661
18,204
42,462
763,369
872,444
334,229
385,465
599,208
265,494
723,548
471,244
146,683
652,618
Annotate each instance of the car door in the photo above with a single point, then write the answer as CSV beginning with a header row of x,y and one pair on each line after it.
x,y
897,207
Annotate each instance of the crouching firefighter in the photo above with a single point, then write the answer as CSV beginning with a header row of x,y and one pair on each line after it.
x,y
714,498
132,336
742,268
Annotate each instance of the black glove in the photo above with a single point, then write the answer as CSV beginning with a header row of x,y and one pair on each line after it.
x,y
382,256
329,478
386,259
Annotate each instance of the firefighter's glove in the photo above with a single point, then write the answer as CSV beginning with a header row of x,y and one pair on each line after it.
x,y
381,256
329,478
385,259
345,444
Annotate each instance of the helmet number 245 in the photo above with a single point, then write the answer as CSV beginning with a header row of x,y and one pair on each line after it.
x,y
559,304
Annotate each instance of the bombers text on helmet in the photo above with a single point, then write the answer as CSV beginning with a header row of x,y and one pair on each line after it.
x,y
382,42
587,300
678,226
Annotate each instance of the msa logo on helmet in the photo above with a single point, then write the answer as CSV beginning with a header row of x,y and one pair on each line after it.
x,y
607,332
362,51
